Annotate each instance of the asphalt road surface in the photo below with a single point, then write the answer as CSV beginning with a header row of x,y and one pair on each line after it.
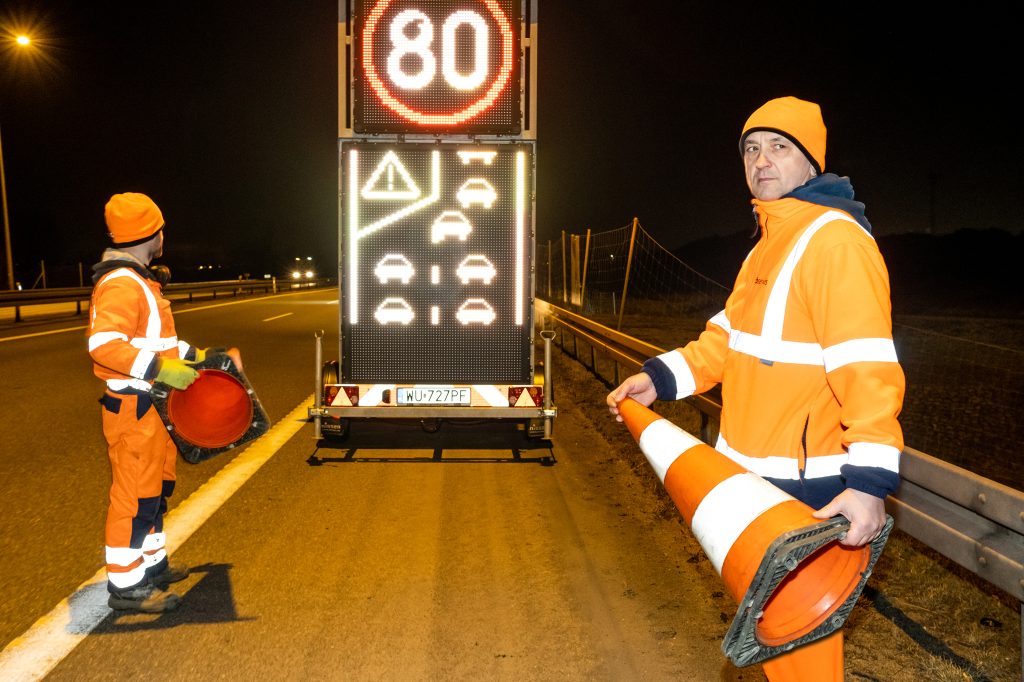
x,y
467,554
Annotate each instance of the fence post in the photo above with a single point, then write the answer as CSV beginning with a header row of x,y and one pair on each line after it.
x,y
629,265
81,283
574,271
565,276
583,281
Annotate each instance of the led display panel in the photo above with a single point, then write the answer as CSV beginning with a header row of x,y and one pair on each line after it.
x,y
436,249
437,66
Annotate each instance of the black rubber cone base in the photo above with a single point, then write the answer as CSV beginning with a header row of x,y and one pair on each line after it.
x,y
217,413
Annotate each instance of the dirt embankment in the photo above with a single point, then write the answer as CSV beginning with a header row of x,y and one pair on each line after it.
x,y
921,618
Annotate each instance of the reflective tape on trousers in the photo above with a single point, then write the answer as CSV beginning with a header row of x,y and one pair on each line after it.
x,y
728,509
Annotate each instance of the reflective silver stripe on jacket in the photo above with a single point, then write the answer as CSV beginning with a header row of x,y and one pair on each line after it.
x,y
785,467
769,345
121,384
148,345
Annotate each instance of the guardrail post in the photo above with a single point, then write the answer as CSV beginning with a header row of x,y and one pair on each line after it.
x,y
629,266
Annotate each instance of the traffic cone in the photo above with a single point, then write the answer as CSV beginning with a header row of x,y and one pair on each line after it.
x,y
793,581
218,412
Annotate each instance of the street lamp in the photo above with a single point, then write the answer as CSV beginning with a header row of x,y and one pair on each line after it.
x,y
7,223
23,41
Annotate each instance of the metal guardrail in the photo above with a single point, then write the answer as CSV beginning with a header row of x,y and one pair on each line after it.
x,y
79,295
969,519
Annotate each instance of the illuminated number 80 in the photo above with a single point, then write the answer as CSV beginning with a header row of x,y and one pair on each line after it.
x,y
420,47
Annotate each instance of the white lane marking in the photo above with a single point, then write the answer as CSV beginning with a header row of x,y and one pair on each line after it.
x,y
176,313
276,317
38,651
52,331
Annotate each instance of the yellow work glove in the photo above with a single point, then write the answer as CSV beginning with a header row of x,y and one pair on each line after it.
x,y
176,373
200,354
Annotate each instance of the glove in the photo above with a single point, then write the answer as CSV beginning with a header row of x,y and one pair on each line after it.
x,y
176,373
200,354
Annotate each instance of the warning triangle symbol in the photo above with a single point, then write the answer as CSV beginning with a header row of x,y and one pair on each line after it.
x,y
390,180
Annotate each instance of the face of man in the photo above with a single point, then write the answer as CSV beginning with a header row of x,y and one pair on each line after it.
x,y
158,246
775,166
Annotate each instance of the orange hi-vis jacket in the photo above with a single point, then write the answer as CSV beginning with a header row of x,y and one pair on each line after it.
x,y
811,386
130,325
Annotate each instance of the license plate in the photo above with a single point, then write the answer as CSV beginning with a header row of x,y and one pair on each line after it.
x,y
433,395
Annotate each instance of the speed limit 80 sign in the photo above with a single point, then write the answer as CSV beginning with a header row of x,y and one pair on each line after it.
x,y
436,66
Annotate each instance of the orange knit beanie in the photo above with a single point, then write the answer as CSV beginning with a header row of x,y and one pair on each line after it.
x,y
798,120
132,218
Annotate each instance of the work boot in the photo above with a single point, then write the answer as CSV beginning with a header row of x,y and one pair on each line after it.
x,y
165,573
144,599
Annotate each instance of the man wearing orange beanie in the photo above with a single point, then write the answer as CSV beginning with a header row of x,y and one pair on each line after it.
x,y
132,343
811,386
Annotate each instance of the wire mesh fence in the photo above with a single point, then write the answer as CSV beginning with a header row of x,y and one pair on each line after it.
x,y
965,376
625,263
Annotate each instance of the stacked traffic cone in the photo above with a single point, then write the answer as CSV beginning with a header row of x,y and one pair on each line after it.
x,y
794,582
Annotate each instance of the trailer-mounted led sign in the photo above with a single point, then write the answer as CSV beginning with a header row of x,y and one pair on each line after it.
x,y
437,66
437,244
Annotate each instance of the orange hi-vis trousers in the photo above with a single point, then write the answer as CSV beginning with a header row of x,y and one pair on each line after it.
x,y
819,661
142,462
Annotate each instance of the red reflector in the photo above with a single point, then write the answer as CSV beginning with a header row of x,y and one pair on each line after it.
x,y
537,393
353,394
330,393
513,395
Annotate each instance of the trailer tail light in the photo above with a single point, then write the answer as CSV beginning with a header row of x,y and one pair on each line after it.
x,y
525,396
337,394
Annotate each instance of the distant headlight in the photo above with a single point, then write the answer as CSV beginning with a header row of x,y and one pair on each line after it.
x,y
296,275
309,274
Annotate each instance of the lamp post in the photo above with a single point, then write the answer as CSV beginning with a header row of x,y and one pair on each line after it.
x,y
7,224
22,41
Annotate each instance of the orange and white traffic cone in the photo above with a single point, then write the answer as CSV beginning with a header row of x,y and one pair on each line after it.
x,y
217,413
794,582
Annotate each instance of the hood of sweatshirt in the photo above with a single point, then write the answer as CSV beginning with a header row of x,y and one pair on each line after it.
x,y
828,189
113,259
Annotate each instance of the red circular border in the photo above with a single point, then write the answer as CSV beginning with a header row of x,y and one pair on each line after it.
x,y
421,118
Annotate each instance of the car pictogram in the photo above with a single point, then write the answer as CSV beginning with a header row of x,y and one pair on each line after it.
x,y
475,310
394,266
476,268
450,224
394,310
476,191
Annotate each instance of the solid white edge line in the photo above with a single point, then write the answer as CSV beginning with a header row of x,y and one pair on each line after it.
x,y
276,317
176,313
32,655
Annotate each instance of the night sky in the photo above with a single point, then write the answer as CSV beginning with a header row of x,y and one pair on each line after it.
x,y
225,113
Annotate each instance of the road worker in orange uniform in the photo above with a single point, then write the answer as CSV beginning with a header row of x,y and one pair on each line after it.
x,y
133,343
811,386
